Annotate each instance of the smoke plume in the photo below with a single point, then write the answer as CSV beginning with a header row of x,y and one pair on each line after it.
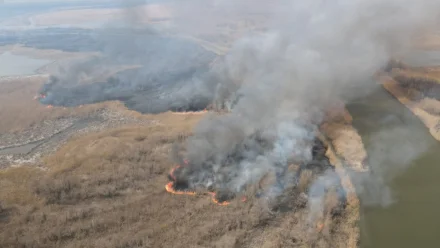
x,y
277,85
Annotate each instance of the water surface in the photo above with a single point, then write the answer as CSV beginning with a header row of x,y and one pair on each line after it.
x,y
421,58
400,148
17,65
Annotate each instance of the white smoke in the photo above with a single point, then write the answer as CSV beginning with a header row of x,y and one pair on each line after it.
x,y
277,83
314,52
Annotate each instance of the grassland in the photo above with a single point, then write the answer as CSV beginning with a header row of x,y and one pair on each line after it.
x,y
105,188
19,110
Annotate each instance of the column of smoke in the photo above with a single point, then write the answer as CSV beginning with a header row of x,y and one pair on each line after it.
x,y
276,84
315,51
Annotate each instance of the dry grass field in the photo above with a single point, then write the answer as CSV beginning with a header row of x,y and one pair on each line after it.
x,y
19,110
105,188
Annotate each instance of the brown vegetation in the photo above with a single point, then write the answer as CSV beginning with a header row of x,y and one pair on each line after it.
x,y
107,190
347,153
345,139
305,179
419,90
418,85
19,110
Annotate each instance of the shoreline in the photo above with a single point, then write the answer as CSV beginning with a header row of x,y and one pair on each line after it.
x,y
429,120
347,153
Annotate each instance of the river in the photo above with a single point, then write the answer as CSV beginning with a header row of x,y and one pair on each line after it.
x,y
17,65
401,150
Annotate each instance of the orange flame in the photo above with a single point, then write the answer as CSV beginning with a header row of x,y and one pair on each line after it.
x,y
49,106
214,199
319,226
41,96
170,188
172,172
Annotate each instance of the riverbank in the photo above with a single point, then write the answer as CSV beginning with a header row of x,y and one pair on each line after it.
x,y
347,154
400,197
427,109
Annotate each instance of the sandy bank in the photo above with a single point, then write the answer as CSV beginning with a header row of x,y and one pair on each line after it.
x,y
422,108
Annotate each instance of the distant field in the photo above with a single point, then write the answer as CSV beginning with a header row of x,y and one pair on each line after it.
x,y
9,10
142,14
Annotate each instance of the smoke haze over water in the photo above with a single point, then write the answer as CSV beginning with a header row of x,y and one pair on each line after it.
x,y
277,84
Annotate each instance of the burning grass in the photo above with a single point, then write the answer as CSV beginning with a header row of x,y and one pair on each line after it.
x,y
298,179
181,188
107,190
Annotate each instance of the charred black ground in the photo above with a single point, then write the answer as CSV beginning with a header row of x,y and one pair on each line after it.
x,y
147,95
420,87
170,74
